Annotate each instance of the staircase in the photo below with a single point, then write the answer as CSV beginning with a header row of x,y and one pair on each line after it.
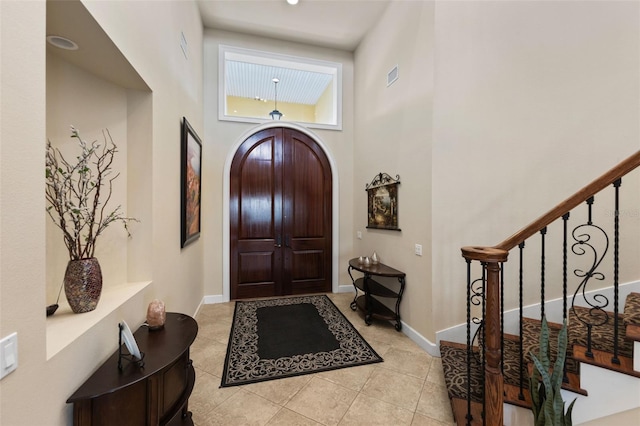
x,y
454,359
487,377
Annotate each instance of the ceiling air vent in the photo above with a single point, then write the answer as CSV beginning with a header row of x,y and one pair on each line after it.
x,y
392,76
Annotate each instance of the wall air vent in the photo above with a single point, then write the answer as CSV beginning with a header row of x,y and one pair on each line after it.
x,y
392,76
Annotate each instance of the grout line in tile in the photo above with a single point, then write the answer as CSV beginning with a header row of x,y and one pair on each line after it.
x,y
390,345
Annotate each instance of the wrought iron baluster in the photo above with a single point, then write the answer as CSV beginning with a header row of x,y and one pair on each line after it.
x,y
476,295
520,302
583,234
590,201
502,316
543,233
616,264
484,336
565,232
469,417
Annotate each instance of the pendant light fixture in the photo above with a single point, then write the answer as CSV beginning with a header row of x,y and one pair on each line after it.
x,y
275,114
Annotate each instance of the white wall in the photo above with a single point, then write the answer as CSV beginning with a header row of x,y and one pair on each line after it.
x,y
498,107
149,39
76,97
224,135
394,136
22,226
502,110
533,100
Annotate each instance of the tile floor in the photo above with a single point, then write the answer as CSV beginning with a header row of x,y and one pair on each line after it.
x,y
406,389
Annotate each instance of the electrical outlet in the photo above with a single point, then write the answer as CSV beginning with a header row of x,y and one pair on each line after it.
x,y
418,249
359,235
8,354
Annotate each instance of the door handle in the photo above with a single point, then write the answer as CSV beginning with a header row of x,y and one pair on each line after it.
x,y
278,241
287,241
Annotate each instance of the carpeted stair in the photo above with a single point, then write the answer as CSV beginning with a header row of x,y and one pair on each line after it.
x,y
454,358
632,317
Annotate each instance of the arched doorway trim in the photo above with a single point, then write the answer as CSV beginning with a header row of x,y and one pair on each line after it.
x,y
226,292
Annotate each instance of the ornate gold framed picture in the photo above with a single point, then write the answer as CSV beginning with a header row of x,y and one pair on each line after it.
x,y
382,198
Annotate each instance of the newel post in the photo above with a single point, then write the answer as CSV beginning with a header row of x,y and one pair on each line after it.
x,y
493,380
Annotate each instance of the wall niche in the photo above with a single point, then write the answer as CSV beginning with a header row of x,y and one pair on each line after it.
x,y
95,88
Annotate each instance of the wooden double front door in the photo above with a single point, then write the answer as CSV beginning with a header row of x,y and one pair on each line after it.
x,y
280,216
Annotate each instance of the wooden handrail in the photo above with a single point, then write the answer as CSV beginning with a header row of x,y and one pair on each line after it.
x,y
489,254
491,257
567,205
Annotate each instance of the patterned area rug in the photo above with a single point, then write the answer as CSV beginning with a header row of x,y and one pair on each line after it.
x,y
277,338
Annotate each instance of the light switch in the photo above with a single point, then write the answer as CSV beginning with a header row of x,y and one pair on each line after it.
x,y
8,354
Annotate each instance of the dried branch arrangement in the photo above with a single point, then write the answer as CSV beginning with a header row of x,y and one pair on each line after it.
x,y
74,190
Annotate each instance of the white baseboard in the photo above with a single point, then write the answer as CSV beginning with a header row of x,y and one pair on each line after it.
x,y
209,300
195,314
553,312
430,347
345,288
458,333
219,298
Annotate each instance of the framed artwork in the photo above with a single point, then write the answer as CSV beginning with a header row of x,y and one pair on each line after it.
x,y
191,161
382,199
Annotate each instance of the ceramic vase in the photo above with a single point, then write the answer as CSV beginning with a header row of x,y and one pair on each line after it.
x,y
83,284
374,258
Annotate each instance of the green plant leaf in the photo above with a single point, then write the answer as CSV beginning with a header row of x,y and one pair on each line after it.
x,y
558,368
558,407
567,418
545,386
535,398
548,420
544,373
544,343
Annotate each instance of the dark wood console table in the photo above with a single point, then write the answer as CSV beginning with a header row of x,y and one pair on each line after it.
x,y
370,301
156,394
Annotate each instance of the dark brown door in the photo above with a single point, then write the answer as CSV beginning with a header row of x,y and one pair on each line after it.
x,y
280,216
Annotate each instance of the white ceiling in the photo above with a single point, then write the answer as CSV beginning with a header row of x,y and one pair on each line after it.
x,y
97,53
339,24
327,23
255,81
